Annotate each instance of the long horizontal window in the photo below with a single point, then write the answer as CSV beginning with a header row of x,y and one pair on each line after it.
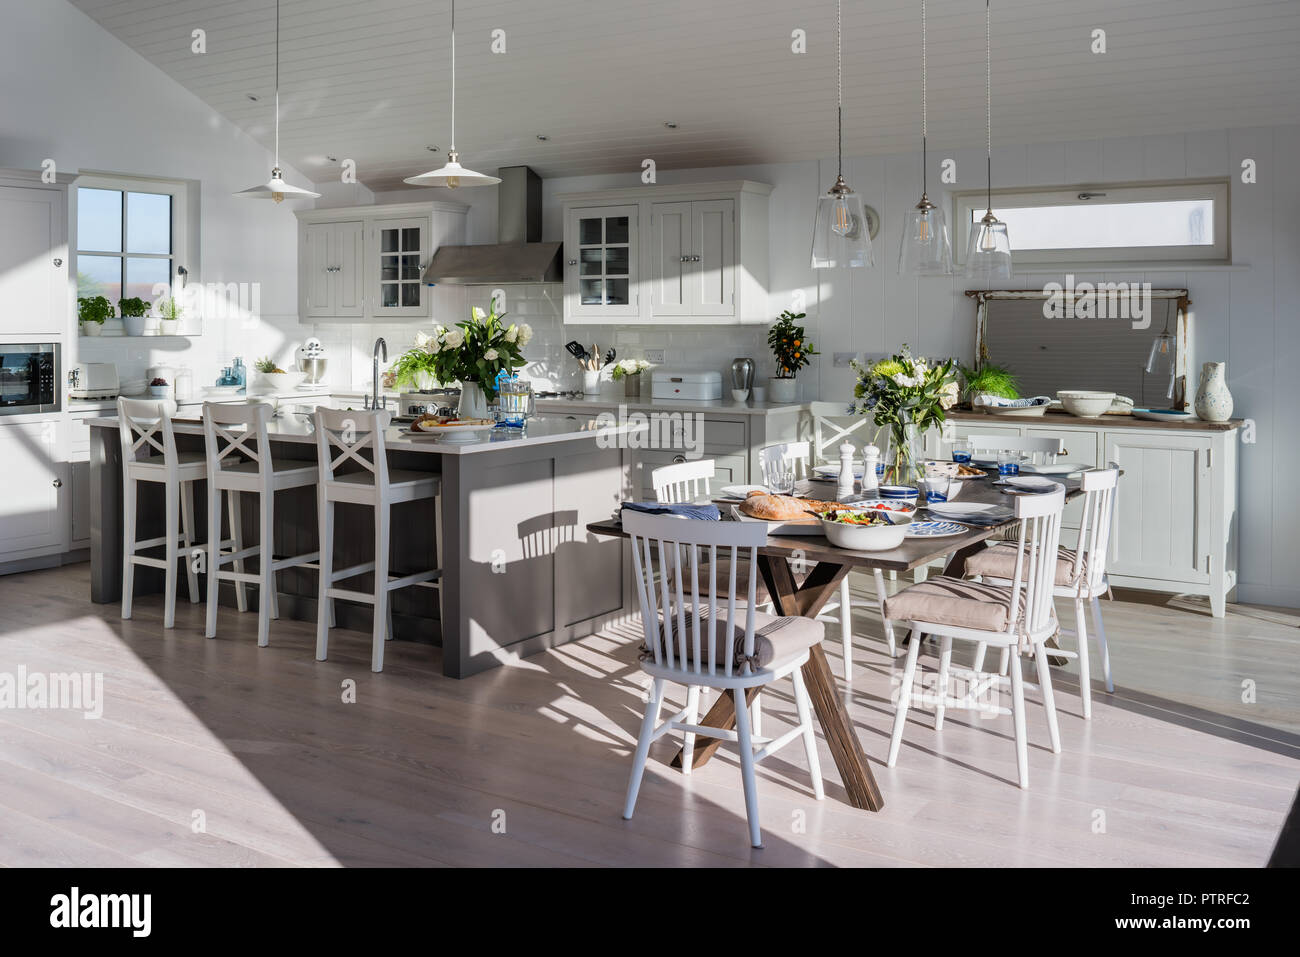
x,y
1172,222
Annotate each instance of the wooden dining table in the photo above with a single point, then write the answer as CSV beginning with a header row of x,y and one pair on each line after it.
x,y
827,565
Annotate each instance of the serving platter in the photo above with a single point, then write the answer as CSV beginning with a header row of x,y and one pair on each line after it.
x,y
462,432
811,527
934,530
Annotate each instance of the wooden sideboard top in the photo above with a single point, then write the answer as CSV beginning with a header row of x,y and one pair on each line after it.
x,y
1054,418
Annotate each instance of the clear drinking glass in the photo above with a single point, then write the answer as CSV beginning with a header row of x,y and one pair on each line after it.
x,y
935,488
961,452
779,476
1009,462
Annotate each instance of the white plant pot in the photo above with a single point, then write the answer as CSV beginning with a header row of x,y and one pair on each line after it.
x,y
112,327
169,327
134,325
591,381
92,329
1213,400
473,401
159,391
782,390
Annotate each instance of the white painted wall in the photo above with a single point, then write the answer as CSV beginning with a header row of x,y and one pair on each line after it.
x,y
77,95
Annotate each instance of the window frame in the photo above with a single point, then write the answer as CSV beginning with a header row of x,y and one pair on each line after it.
x,y
975,202
125,183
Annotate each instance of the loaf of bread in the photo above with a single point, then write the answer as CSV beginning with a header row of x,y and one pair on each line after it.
x,y
784,508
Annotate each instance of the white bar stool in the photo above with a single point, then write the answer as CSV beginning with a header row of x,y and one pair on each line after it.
x,y
239,460
149,455
341,438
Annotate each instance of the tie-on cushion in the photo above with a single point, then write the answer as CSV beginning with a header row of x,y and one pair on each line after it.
x,y
776,639
999,561
955,601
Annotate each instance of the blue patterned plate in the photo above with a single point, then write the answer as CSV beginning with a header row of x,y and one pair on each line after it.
x,y
933,529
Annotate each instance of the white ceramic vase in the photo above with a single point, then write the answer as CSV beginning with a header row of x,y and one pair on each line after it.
x,y
1213,400
473,401
591,381
92,328
135,325
782,390
169,327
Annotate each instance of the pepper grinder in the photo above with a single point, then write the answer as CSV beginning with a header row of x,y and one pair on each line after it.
x,y
844,488
870,458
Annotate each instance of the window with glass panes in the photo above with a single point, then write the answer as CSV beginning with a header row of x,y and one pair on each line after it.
x,y
126,242
399,266
603,249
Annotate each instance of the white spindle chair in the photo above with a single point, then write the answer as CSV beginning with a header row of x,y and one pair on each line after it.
x,y
800,454
149,455
682,482
681,629
946,607
1080,576
1042,450
343,437
239,460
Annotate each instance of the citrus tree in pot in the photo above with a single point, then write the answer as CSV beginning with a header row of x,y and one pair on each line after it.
x,y
792,351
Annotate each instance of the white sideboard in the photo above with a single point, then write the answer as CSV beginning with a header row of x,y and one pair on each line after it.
x,y
1176,510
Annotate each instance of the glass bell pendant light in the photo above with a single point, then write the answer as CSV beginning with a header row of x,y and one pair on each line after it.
x,y
452,175
925,250
988,255
276,189
1161,358
841,236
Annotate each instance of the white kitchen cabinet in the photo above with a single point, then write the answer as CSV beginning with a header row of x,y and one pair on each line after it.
x,y
32,522
695,255
34,275
601,275
367,262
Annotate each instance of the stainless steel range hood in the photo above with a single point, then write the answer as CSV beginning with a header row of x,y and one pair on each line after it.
x,y
518,257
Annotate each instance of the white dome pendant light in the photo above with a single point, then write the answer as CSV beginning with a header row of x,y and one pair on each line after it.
x,y
841,236
276,188
988,255
453,175
925,250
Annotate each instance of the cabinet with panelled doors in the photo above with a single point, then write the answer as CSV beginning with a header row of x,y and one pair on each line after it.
x,y
667,255
366,262
1175,526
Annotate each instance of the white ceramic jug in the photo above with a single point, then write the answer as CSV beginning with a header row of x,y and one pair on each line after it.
x,y
1213,400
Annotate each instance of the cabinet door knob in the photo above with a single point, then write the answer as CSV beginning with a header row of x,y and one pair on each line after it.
x,y
58,262
695,259
58,483
683,259
678,459
573,262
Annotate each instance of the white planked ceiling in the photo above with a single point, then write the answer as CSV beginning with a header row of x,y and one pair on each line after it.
x,y
370,81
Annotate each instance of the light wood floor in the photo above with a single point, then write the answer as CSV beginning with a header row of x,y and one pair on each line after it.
x,y
527,765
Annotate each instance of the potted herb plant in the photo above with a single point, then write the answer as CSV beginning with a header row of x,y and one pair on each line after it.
x,y
158,387
471,353
93,312
134,311
628,371
987,379
792,350
169,323
909,395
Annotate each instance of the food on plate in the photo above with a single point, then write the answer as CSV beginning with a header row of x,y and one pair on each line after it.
x,y
428,422
888,507
267,364
784,508
964,471
865,517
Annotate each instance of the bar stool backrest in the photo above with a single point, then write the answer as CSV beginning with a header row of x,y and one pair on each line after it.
x,y
343,435
229,428
146,432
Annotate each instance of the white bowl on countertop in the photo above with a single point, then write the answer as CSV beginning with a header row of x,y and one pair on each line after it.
x,y
1086,404
278,381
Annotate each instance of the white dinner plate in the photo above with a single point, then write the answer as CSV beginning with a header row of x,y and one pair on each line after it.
x,y
1054,468
992,463
934,529
957,510
1032,482
453,433
832,470
740,492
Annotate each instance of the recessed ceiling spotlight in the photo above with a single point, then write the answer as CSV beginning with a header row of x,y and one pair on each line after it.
x,y
332,159
251,97
432,149
543,137
671,125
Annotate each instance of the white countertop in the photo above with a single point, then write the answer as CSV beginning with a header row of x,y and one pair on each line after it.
x,y
612,400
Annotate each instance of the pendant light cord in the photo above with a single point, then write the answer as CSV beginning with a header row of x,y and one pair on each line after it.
x,y
839,95
453,76
277,84
924,116
988,98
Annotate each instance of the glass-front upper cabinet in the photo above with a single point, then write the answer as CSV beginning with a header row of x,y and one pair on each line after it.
x,y
600,266
399,253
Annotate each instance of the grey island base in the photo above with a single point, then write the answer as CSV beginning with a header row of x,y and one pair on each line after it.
x,y
520,571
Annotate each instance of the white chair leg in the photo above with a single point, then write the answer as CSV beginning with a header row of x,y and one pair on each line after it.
x,y
904,698
692,716
745,743
379,626
756,711
1004,660
945,659
888,625
266,577
804,708
1085,676
648,723
235,504
172,520
1049,699
980,649
214,559
1018,716
129,487
1101,644
846,630
187,529
324,620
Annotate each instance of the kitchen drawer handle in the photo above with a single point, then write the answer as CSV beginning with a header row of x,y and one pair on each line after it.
x,y
678,459
58,483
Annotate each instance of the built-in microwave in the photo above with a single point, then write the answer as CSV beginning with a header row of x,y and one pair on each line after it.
x,y
29,377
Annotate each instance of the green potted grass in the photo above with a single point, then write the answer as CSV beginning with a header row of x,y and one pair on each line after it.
x,y
93,312
987,379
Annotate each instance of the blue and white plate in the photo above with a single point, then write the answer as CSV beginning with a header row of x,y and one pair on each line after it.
x,y
897,491
934,529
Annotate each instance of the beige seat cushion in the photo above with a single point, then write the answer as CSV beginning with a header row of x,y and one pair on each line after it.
x,y
955,601
776,639
999,561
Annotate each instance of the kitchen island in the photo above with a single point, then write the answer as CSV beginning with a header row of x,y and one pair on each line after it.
x,y
520,573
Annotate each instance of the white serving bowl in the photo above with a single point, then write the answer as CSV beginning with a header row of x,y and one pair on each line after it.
x,y
868,538
1086,404
278,381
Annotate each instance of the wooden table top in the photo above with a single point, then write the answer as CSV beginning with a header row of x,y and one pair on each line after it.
x,y
913,553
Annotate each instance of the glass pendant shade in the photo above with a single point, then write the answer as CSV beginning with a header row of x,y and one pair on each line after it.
x,y
988,255
1161,358
926,249
452,176
840,234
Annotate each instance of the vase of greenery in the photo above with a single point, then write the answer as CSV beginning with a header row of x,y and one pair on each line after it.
x,y
134,311
987,379
908,395
472,353
628,371
792,351
169,323
93,312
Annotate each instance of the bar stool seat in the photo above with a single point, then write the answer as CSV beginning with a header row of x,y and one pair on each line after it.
x,y
343,439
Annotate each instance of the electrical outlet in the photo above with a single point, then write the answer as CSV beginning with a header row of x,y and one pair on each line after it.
x,y
654,355
842,359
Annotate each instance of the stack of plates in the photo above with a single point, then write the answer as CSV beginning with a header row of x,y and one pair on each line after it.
x,y
1028,484
979,513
